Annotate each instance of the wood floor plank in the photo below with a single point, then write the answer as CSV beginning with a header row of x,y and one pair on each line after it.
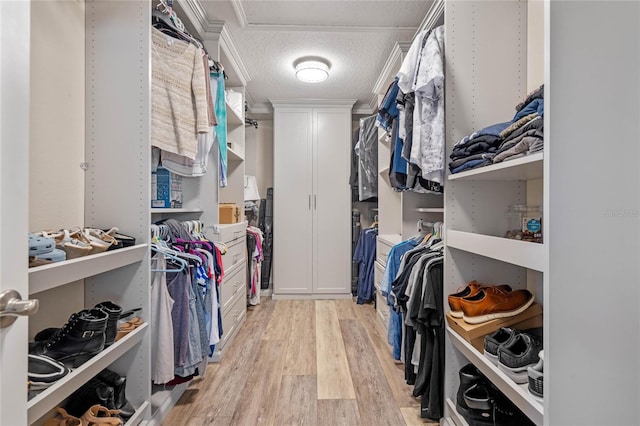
x,y
338,412
370,383
263,312
279,325
301,346
260,394
334,376
224,388
412,417
297,403
393,370
346,309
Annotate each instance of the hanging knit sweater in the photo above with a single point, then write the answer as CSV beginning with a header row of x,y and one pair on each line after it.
x,y
179,95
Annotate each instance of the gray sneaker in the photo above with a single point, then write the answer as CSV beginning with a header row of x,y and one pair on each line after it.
x,y
492,342
518,355
535,377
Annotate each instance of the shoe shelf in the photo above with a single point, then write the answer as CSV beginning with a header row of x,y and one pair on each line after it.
x,y
138,416
522,253
518,394
456,418
170,210
524,168
45,401
50,276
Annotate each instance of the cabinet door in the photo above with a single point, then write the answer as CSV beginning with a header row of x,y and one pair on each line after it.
x,y
14,204
292,201
332,202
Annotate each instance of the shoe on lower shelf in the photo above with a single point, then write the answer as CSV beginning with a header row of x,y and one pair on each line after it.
x,y
515,357
536,376
40,244
98,415
489,407
44,372
63,418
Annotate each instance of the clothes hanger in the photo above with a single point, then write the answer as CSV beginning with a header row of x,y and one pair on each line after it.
x,y
183,263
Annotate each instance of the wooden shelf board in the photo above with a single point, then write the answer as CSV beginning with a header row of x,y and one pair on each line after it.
x,y
56,274
518,394
523,168
527,254
45,401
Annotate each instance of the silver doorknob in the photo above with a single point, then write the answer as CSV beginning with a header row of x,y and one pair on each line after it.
x,y
12,306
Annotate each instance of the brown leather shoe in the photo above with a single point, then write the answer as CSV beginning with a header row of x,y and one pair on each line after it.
x,y
470,290
493,302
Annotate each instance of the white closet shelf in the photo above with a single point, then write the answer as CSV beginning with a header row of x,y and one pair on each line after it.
x,y
456,418
176,211
384,172
527,254
233,118
383,139
41,404
138,415
233,155
518,394
60,273
430,209
524,168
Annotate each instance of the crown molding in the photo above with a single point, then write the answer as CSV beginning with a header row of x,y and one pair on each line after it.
x,y
233,56
373,102
434,14
248,99
196,14
362,109
261,108
338,103
238,9
388,71
325,28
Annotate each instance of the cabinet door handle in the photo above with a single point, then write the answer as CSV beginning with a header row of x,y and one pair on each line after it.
x,y
315,202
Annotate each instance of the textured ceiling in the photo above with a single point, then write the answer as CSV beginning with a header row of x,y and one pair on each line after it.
x,y
355,36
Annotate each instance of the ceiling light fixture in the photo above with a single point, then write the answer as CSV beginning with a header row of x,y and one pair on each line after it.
x,y
312,69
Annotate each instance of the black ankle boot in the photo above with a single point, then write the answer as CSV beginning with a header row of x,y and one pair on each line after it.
x,y
114,312
118,383
91,393
469,376
79,339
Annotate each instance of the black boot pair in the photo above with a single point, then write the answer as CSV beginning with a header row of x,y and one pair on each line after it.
x,y
106,389
85,335
482,404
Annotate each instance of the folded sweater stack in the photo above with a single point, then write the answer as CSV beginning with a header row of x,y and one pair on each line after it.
x,y
521,136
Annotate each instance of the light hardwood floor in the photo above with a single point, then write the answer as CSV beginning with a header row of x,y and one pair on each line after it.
x,y
303,362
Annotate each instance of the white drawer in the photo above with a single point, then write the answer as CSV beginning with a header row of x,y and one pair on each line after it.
x,y
381,305
227,233
382,251
379,272
233,317
236,253
231,284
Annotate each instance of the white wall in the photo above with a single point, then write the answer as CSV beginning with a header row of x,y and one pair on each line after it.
x,y
57,114
263,155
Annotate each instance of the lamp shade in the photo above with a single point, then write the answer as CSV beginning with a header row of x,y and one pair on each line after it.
x,y
251,188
